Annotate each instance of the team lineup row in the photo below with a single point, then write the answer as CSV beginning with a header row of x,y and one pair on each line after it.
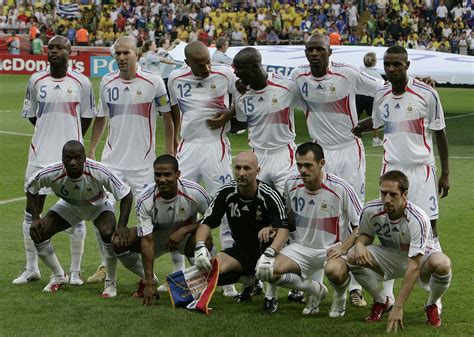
x,y
129,98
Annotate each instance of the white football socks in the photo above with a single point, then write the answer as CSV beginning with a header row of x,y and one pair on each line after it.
x,y
30,250
46,253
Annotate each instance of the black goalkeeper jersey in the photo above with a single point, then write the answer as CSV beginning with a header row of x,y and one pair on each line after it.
x,y
247,217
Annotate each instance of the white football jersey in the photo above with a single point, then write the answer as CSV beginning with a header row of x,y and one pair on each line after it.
x,y
200,99
58,105
132,108
409,121
269,112
163,216
410,235
88,189
324,217
330,106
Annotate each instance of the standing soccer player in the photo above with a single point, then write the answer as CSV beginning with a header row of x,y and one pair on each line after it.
x,y
81,186
130,98
254,211
325,211
60,103
267,108
167,212
197,93
329,90
411,113
407,250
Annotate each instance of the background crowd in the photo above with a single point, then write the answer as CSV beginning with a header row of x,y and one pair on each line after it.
x,y
435,25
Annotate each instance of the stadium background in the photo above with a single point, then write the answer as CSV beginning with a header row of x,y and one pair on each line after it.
x,y
80,310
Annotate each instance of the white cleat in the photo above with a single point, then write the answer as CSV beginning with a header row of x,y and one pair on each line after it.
x,y
110,289
313,300
338,307
230,291
75,278
27,276
163,288
56,282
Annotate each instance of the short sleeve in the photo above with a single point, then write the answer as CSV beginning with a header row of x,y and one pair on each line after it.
x,y
30,103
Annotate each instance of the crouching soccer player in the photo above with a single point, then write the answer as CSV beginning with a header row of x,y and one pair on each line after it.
x,y
325,210
167,213
407,250
253,210
81,184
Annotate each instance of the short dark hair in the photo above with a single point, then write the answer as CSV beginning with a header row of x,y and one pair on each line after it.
x,y
162,41
315,148
220,43
398,177
167,159
396,49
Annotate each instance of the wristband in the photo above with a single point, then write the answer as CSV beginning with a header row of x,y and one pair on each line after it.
x,y
270,252
200,244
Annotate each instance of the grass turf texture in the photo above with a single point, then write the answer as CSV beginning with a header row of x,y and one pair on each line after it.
x,y
26,310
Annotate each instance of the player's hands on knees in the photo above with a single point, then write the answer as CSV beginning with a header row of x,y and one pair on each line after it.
x,y
395,319
443,186
149,294
335,251
36,230
266,234
264,268
123,235
362,256
175,239
202,258
219,119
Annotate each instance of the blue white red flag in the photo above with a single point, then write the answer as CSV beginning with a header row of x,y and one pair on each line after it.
x,y
193,289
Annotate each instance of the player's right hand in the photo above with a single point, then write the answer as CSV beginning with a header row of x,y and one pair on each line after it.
x,y
36,230
202,258
362,256
149,294
123,235
266,234
219,119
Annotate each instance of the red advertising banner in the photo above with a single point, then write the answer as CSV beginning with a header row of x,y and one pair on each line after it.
x,y
29,64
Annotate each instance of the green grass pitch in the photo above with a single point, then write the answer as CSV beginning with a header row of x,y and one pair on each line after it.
x,y
79,311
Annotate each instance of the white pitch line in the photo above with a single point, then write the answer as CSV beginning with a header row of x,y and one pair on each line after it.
x,y
459,116
15,133
9,201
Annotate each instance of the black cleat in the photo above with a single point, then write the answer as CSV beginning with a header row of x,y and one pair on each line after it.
x,y
270,305
295,296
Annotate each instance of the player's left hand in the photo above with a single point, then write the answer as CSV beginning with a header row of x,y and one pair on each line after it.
x,y
443,186
335,251
266,234
395,319
219,119
149,294
123,235
427,80
175,238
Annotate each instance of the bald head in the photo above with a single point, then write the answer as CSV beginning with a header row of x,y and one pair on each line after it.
x,y
320,38
196,49
198,58
74,158
60,40
248,68
248,158
248,55
126,41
